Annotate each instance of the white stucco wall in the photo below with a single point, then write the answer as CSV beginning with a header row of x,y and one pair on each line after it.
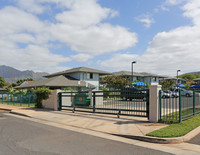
x,y
83,77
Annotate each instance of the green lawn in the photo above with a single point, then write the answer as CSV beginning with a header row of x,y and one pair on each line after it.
x,y
178,129
174,117
32,105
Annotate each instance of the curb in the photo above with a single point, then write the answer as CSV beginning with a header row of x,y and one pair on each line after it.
x,y
12,112
5,109
20,114
174,140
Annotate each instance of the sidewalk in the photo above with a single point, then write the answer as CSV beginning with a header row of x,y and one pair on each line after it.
x,y
126,126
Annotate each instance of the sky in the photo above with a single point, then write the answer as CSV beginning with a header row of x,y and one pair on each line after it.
x,y
162,36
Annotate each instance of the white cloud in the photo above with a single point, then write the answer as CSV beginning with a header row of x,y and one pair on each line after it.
x,y
174,2
31,6
84,13
119,62
81,57
169,51
192,10
146,19
95,40
31,57
78,24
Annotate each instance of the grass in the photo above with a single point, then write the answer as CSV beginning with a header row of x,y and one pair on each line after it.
x,y
178,129
32,105
174,117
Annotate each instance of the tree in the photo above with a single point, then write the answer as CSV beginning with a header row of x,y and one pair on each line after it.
x,y
19,82
188,77
167,84
115,82
42,94
2,82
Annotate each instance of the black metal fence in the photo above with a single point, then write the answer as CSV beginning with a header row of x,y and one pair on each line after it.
x,y
175,108
125,102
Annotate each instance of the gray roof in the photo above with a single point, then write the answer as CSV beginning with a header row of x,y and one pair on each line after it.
x,y
142,74
174,78
79,69
57,81
3,89
198,79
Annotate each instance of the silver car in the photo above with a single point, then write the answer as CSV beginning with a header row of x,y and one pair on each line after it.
x,y
187,93
166,94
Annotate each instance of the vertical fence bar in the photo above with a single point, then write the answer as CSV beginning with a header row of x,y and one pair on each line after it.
x,y
7,98
180,107
60,101
194,98
160,100
94,102
147,102
20,99
2,98
29,99
14,98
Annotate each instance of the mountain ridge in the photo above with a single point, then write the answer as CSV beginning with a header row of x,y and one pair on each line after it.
x,y
11,74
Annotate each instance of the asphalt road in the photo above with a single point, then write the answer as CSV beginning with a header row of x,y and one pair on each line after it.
x,y
195,140
23,137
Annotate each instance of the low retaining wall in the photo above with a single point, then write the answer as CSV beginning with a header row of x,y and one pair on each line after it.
x,y
52,101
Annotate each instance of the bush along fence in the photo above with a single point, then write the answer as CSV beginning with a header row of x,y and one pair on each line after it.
x,y
180,107
28,99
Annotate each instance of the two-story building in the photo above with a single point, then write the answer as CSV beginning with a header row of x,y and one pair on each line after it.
x,y
88,75
142,77
81,77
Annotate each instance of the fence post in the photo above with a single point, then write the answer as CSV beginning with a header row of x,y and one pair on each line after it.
x,y
194,99
8,100
94,102
60,101
21,99
147,103
180,107
154,103
160,101
2,98
29,99
14,98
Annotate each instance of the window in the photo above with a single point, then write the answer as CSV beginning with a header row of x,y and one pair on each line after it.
x,y
89,75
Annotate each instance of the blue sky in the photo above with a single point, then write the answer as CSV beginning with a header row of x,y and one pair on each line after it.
x,y
55,35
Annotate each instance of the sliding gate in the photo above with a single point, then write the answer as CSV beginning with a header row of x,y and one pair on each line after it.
x,y
124,102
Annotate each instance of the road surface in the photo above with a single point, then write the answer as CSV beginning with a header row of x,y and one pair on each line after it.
x,y
23,137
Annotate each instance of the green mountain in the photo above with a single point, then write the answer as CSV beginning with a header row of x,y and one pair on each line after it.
x,y
11,74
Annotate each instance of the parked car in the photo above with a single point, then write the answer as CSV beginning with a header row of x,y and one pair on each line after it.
x,y
184,92
133,93
187,93
175,93
166,94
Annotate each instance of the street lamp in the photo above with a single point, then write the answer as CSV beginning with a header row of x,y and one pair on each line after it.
x,y
132,70
177,76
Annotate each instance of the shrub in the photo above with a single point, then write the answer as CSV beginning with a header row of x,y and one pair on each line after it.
x,y
42,94
105,93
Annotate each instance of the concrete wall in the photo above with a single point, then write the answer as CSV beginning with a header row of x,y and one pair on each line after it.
x,y
52,101
154,109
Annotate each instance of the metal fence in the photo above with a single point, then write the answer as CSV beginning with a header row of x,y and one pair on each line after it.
x,y
180,107
28,99
131,103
